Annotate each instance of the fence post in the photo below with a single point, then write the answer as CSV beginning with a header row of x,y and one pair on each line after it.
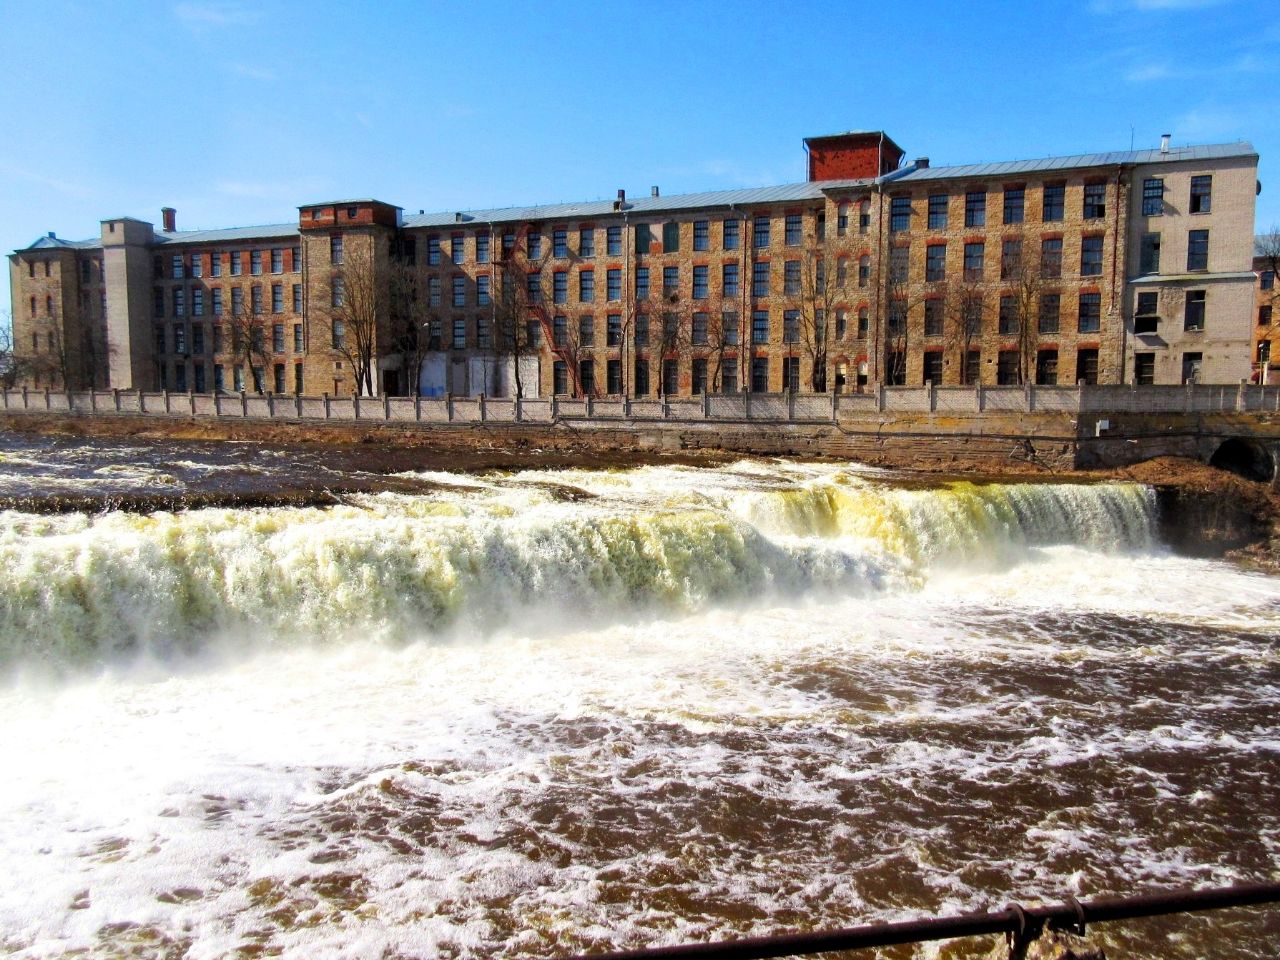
x,y
835,405
191,398
517,410
142,404
297,404
880,395
217,403
93,400
47,404
271,405
1188,399
417,407
1031,398
555,408
6,398
386,406
746,404
587,407
977,396
244,404
115,396
448,406
355,404
1241,399
326,404
932,390
791,404
166,399
484,408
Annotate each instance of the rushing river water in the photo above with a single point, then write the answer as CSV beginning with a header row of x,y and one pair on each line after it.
x,y
532,714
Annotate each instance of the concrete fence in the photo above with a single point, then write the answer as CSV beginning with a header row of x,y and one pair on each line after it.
x,y
734,407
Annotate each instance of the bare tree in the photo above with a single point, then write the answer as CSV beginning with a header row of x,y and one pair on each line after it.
x,y
357,299
408,320
1267,249
964,309
816,303
672,340
247,329
13,367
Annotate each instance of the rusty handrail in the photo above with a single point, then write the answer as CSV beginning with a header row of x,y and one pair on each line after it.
x,y
1019,922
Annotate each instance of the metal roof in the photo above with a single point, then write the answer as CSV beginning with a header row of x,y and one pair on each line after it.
x,y
268,231
56,243
1209,151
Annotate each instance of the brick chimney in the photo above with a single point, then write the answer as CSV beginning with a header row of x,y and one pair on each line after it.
x,y
170,217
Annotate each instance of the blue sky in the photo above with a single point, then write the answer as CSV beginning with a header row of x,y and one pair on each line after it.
x,y
236,113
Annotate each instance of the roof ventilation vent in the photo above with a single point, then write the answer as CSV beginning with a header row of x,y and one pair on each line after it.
x,y
922,163
621,201
52,235
653,191
1164,142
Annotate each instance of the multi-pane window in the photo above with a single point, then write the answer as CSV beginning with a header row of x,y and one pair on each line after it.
x,y
613,330
587,376
935,262
1050,310
1146,315
899,262
459,333
197,302
642,330
1198,250
701,235
483,287
338,293
642,283
433,291
842,219
671,237
1153,197
899,214
974,253
1149,253
1014,204
698,382
1007,368
237,259
482,248
255,263
759,374
792,230
791,326
197,267
277,338
896,318
277,260
729,328
1201,194
1054,202
1051,258
1194,315
613,241
533,244
215,301
237,301
1090,256
760,232
1011,259
731,234
197,339
483,339
791,278
560,286
1267,280
760,326
670,281
297,338
864,270
459,291
938,211
1090,313
975,208
458,248
277,298
729,279
297,297
157,332
760,278
1008,317
842,323
842,272
533,286
508,244
433,251
586,286
297,259
560,332
586,242
644,238
698,332
1095,201
559,242
933,313
864,323
533,333
335,252
255,298
700,283
613,284
179,303
178,270
215,264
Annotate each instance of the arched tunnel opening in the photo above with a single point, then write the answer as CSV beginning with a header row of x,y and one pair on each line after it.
x,y
1245,458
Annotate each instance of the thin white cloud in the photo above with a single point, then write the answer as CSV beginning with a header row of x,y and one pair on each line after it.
x,y
1161,71
53,183
250,72
210,13
1211,123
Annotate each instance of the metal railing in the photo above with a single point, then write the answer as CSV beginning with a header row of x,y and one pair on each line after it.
x,y
1020,924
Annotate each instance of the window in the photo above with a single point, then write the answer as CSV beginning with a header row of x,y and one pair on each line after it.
x,y
933,367
791,373
1198,250
642,377
842,219
586,286
760,232
560,331
587,376
237,301
277,260
670,376
277,338
1264,315
670,237
842,272
1051,258
179,302
1146,317
759,374
215,264
459,291
586,242
864,323
215,298
792,229
791,278
277,298
731,234
1267,280
760,326
255,263
297,338
899,261
560,377
701,235
237,260
1014,204
935,262
560,286
482,248
157,333
670,281
613,241
1095,201
642,283
1194,315
1087,366
613,331
1153,197
197,302
1144,369
700,283
864,216
1191,367
729,328
533,333
933,310
297,258
255,338
433,291
177,274
1091,256
820,275
1149,253
533,244
1010,259
1050,309
642,330
457,248
974,253
1090,313
729,279
508,244
459,333
335,252
1008,318
760,278
1054,202
1047,367
644,238
613,284
338,294
483,339
339,331
864,270
791,326
1007,368
899,214
938,211
559,242
197,267
1201,194
699,332
842,323
699,378
533,286
975,208
179,338
587,331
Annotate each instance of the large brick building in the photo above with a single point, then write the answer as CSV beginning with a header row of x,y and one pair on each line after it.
x,y
1126,267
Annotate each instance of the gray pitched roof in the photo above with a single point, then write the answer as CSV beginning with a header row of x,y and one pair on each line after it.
x,y
55,243
267,231
1210,151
